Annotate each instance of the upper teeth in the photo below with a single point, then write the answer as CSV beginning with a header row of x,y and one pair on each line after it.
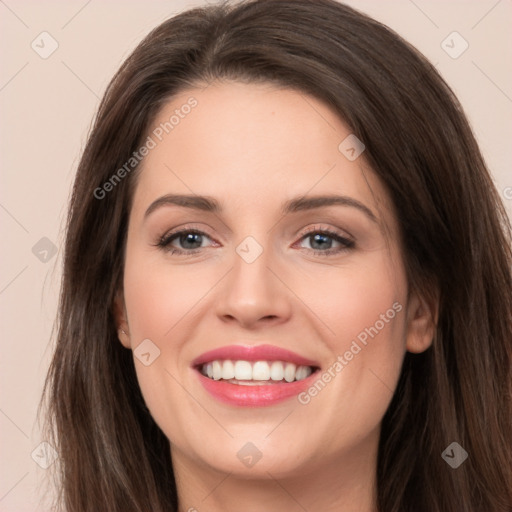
x,y
257,370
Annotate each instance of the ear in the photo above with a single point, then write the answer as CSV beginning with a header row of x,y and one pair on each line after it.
x,y
120,317
422,318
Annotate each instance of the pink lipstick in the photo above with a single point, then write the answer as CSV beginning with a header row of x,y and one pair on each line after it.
x,y
254,376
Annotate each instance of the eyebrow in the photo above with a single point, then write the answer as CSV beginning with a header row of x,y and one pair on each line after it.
x,y
209,204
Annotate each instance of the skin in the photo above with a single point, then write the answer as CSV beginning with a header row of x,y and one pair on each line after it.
x,y
252,147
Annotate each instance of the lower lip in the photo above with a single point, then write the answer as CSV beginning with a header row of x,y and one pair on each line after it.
x,y
254,395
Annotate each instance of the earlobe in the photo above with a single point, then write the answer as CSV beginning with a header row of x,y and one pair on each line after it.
x,y
120,317
421,324
124,338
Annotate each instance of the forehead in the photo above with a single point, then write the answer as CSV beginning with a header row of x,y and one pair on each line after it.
x,y
252,145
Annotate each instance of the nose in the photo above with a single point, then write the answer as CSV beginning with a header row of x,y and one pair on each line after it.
x,y
254,294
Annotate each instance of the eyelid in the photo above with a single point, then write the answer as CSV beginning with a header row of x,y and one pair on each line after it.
x,y
187,228
331,231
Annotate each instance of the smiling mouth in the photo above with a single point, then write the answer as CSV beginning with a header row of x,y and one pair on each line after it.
x,y
255,373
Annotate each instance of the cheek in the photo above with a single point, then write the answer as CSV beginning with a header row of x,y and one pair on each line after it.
x,y
364,311
164,303
352,299
159,296
160,301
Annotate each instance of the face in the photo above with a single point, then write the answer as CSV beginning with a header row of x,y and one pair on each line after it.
x,y
310,292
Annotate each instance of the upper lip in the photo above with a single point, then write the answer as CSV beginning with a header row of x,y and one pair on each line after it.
x,y
253,353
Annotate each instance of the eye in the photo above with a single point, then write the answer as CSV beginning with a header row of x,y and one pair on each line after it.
x,y
321,241
191,241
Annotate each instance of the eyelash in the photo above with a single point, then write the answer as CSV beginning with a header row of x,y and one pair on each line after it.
x,y
165,240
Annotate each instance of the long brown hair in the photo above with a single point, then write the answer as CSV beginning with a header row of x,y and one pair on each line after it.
x,y
457,246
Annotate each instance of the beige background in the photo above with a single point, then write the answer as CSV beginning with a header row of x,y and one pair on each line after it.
x,y
47,106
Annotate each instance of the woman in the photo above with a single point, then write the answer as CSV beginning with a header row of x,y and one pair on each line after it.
x,y
338,335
